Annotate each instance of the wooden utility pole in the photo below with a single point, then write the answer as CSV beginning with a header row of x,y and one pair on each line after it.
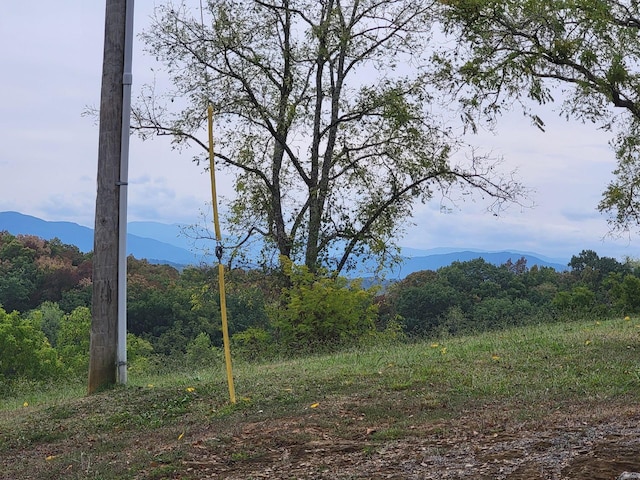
x,y
104,320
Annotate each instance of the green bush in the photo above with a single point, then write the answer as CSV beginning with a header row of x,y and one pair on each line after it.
x,y
423,307
201,353
73,340
579,300
391,334
25,351
321,313
492,313
47,317
252,344
139,354
627,295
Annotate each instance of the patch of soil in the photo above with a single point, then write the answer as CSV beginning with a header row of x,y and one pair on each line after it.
x,y
597,442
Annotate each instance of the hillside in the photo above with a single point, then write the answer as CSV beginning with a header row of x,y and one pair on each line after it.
x,y
540,402
163,243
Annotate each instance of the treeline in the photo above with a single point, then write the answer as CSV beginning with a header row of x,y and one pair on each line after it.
x,y
174,316
478,296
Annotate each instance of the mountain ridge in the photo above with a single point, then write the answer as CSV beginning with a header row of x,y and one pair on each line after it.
x,y
167,243
82,237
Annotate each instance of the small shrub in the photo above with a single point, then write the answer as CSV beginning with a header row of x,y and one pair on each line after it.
x,y
139,354
201,353
73,340
322,313
252,344
25,352
392,334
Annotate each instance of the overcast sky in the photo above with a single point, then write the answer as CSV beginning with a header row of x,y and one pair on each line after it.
x,y
51,61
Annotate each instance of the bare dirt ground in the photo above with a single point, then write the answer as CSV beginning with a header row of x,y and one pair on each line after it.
x,y
596,442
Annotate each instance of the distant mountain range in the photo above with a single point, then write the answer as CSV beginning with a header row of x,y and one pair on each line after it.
x,y
164,243
139,244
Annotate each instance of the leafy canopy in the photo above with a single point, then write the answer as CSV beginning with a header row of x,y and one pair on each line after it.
x,y
322,115
526,50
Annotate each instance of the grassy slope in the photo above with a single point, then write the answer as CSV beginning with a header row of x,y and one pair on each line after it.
x,y
145,429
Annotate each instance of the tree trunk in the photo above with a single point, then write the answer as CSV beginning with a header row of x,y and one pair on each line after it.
x,y
104,319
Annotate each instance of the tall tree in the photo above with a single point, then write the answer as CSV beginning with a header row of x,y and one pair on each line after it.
x,y
322,114
530,49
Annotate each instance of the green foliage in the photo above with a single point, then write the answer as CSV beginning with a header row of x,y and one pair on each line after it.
x,y
48,317
392,334
471,296
73,340
78,296
24,350
588,260
275,313
494,313
373,150
170,311
201,353
321,312
139,354
33,271
422,308
17,273
626,294
247,308
253,344
510,51
579,300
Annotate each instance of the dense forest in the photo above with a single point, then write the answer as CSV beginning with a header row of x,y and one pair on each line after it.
x,y
174,316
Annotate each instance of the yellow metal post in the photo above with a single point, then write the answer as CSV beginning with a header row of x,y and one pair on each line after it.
x,y
223,298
